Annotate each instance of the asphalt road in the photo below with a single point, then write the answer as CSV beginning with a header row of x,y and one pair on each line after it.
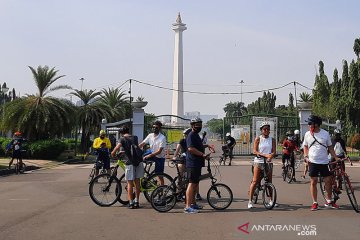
x,y
54,204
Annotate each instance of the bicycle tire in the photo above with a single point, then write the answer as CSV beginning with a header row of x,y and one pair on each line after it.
x,y
23,168
16,168
219,196
123,198
290,174
163,198
268,194
150,183
91,175
350,193
105,190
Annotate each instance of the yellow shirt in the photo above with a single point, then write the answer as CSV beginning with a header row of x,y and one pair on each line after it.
x,y
98,141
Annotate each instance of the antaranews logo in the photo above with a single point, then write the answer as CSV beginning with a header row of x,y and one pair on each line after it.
x,y
299,229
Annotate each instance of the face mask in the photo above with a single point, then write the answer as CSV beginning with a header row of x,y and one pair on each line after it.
x,y
197,129
102,137
289,138
156,131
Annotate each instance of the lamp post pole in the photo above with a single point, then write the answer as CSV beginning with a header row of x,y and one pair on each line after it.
x,y
82,81
241,89
4,90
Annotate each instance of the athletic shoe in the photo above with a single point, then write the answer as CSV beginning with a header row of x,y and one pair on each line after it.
x,y
190,210
294,179
331,205
131,206
275,205
196,207
250,205
198,197
314,207
136,204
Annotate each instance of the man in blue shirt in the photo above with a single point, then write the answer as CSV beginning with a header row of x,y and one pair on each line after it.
x,y
195,160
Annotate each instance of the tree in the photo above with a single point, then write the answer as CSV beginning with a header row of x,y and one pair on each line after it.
x,y
321,92
291,107
357,47
234,109
216,126
354,96
118,103
265,104
90,114
40,116
335,88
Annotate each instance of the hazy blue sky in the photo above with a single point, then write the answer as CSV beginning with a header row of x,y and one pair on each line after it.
x,y
264,43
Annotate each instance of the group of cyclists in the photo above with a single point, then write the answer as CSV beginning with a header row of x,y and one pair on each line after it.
x,y
315,148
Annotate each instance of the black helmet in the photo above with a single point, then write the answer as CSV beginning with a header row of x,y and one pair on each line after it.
x,y
124,129
289,133
195,120
314,119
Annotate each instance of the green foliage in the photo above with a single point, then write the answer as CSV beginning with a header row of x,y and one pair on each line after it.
x,y
3,143
355,141
46,149
305,97
357,47
216,126
118,103
265,104
233,109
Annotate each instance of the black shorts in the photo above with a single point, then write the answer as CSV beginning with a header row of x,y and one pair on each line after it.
x,y
193,174
315,169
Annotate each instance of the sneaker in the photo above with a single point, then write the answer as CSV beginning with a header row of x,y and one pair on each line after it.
x,y
294,179
275,205
131,206
314,207
190,210
198,197
331,205
250,205
303,176
136,204
196,207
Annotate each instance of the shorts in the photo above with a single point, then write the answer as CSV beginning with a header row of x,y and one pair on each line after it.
x,y
159,164
316,169
105,164
17,154
193,174
262,166
132,172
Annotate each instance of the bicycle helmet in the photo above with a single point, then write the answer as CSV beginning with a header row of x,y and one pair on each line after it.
x,y
17,133
102,132
263,124
337,131
296,132
314,119
195,120
187,131
228,134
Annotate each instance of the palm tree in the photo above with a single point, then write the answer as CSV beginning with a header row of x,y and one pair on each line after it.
x,y
90,114
40,116
118,103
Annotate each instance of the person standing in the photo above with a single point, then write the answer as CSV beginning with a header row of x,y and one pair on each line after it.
x,y
317,145
195,160
102,145
289,146
264,148
16,145
157,142
133,170
230,142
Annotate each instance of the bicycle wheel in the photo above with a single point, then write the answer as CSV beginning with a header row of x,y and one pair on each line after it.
x,y
289,174
350,193
150,183
163,198
91,175
123,198
219,196
269,195
16,168
104,190
23,168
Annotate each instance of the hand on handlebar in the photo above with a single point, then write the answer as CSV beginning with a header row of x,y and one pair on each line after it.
x,y
207,156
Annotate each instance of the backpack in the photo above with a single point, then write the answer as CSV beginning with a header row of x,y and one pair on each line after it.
x,y
136,153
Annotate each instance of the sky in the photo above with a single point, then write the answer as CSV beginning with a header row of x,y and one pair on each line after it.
x,y
264,43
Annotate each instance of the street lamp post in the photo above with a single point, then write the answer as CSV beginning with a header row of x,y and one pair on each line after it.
x,y
4,90
241,89
82,81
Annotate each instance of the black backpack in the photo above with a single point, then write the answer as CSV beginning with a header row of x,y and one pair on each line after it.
x,y
136,154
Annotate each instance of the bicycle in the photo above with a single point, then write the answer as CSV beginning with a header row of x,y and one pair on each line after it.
x,y
164,198
288,171
299,159
17,167
99,165
108,196
268,189
339,177
225,154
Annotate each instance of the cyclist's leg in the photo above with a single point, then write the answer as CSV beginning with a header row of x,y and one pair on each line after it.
x,y
139,173
193,176
256,178
130,177
313,173
106,166
292,164
159,168
283,157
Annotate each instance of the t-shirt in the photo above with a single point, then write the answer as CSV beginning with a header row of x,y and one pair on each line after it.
x,y
289,146
126,144
318,152
230,142
16,144
156,142
339,147
194,140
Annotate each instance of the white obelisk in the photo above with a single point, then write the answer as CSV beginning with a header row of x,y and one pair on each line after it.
x,y
178,96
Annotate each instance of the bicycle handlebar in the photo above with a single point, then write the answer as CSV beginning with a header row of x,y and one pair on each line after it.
x,y
341,160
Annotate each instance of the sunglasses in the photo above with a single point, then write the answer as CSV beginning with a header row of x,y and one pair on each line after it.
x,y
311,123
266,129
155,127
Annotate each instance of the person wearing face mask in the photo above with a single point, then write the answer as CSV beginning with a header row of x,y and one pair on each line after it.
x,y
157,142
195,160
317,145
102,146
289,146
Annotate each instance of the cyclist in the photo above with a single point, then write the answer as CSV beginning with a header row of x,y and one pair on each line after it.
x,y
230,142
133,173
16,146
289,146
181,150
195,160
102,146
264,147
157,142
317,144
297,138
340,150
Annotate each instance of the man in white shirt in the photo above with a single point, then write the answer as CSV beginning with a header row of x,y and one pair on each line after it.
x,y
157,142
317,145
